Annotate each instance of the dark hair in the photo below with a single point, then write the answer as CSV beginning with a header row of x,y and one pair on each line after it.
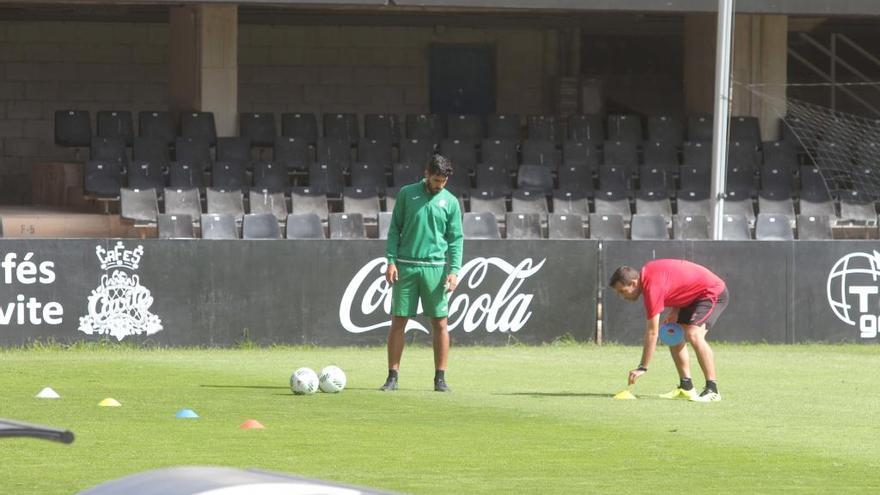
x,y
439,165
624,274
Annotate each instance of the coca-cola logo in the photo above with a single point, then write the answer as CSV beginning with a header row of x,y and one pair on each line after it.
x,y
368,298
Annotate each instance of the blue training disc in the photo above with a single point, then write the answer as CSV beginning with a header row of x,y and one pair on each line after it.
x,y
671,334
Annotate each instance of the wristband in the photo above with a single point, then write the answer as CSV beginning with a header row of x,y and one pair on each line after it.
x,y
641,368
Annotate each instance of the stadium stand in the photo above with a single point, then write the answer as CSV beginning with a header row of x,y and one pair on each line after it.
x,y
115,124
300,125
259,128
347,226
175,226
606,227
260,226
523,226
198,126
482,225
157,125
304,226
218,226
565,226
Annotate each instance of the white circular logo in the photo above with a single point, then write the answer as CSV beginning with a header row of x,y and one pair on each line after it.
x,y
853,287
441,203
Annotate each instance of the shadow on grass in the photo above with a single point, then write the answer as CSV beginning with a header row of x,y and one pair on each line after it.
x,y
604,395
246,386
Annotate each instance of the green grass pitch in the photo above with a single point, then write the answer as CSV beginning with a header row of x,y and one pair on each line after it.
x,y
794,419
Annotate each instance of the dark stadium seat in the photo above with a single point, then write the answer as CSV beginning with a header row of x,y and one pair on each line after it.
x,y
304,226
624,127
183,175
391,198
459,182
342,126
151,150
817,202
175,226
743,154
647,227
690,227
621,153
364,202
271,177
586,128
73,128
260,226
376,152
425,127
857,209
740,203
580,154
259,128
195,151
482,225
229,176
606,227
368,176
667,129
293,153
574,177
198,125
146,175
102,179
529,201
812,181
814,228
693,202
540,152
523,226
501,152
534,177
462,152
565,226
224,202
139,205
263,201
544,128
695,178
736,228
697,154
504,127
780,154
383,127
614,177
327,178
347,226
335,152
611,202
661,155
234,149
740,179
218,226
104,149
773,227
183,202
777,204
492,178
465,127
300,125
416,151
571,202
407,173
384,224
777,179
745,130
488,201
116,124
654,203
700,128
308,200
157,125
656,180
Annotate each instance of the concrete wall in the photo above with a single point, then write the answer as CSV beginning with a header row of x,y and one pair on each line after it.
x,y
374,69
45,66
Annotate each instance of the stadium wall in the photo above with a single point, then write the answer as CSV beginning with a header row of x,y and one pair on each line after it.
x,y
332,292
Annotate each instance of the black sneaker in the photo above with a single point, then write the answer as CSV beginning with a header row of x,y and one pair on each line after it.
x,y
390,384
441,386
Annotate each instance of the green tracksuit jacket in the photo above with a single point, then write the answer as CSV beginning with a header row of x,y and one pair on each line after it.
x,y
425,229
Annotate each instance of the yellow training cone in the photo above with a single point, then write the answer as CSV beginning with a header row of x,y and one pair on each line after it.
x,y
109,402
624,395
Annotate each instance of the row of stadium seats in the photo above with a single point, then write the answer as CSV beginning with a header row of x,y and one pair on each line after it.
x,y
143,205
484,225
74,127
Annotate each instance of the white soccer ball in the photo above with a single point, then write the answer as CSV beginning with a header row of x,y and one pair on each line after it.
x,y
332,379
304,381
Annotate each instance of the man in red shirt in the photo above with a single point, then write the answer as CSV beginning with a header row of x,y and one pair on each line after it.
x,y
696,296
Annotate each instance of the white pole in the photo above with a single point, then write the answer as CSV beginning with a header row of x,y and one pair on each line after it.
x,y
722,114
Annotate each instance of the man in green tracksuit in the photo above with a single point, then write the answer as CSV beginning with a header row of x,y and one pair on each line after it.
x,y
424,255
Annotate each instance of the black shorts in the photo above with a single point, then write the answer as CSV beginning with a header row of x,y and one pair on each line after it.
x,y
703,311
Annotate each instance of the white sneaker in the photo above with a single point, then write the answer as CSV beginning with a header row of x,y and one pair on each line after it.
x,y
706,396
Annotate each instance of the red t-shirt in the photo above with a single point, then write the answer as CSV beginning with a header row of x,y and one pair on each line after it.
x,y
673,283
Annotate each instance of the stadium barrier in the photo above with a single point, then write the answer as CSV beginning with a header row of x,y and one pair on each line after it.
x,y
332,292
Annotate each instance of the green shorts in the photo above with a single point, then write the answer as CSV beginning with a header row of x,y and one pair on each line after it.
x,y
425,282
